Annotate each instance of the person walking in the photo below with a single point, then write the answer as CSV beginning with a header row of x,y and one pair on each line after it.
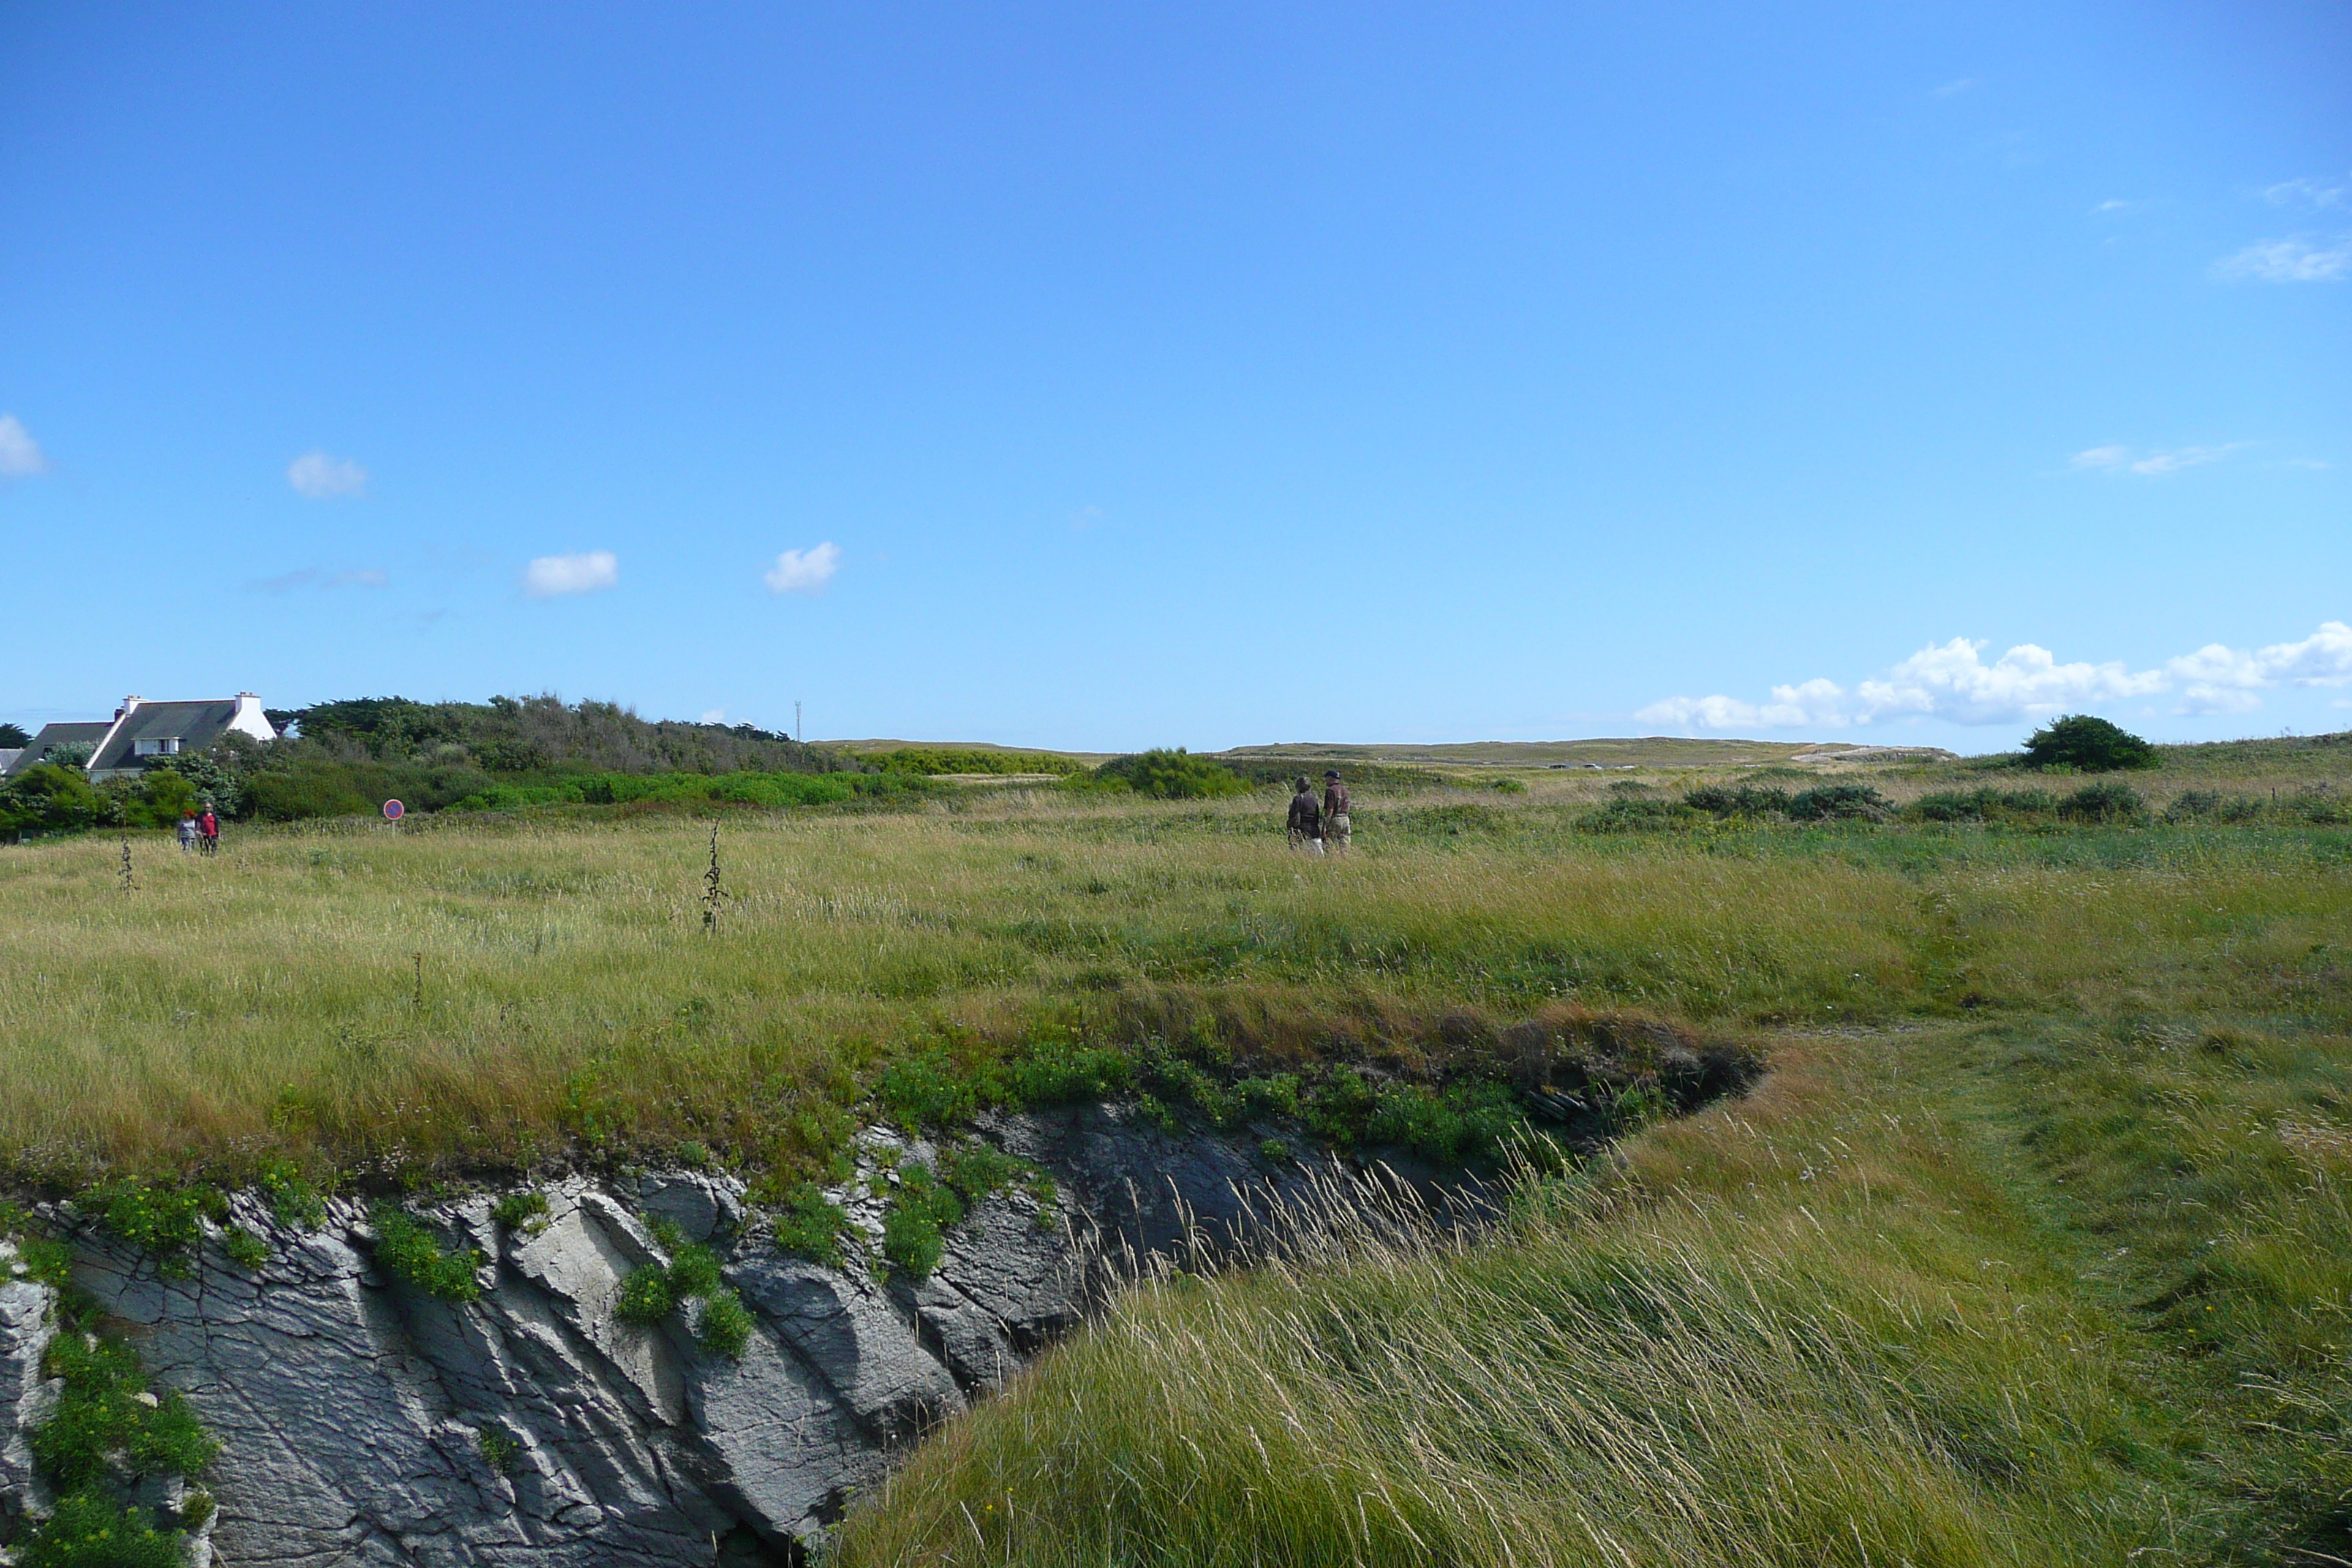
x,y
1338,832
1305,819
188,831
208,829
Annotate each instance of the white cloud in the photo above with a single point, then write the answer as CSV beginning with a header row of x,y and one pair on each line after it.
x,y
20,455
1952,681
2114,205
550,577
714,716
316,475
2289,261
804,570
1954,88
2121,460
2308,194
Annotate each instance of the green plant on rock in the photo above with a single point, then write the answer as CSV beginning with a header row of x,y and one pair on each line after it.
x,y
525,1211
166,1223
500,1449
103,1409
292,1198
407,1251
726,1326
245,1249
921,1209
646,1295
653,1291
809,1225
90,1530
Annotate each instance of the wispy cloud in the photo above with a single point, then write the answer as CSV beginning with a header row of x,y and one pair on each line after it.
x,y
1955,88
804,570
2288,261
2317,194
2114,205
1952,681
321,477
713,716
552,577
2152,464
321,578
20,455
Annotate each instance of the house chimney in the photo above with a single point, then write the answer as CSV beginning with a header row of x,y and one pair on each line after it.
x,y
128,704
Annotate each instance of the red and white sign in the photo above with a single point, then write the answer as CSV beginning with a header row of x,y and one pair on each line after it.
x,y
393,811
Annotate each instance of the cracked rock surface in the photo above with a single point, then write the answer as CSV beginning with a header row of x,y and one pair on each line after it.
x,y
353,1411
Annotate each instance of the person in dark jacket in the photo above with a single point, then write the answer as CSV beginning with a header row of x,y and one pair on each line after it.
x,y
1338,832
1305,819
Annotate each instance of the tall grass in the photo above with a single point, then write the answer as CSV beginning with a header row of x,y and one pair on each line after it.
x,y
270,998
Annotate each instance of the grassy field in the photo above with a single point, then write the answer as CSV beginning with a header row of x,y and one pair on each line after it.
x,y
2031,1248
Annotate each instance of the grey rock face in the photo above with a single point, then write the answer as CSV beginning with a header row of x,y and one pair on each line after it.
x,y
353,1411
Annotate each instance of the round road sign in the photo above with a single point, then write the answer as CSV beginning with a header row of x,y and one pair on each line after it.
x,y
393,811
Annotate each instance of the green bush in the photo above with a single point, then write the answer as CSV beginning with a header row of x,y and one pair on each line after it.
x,y
1466,1122
1172,775
934,760
928,1089
45,798
2104,803
407,1251
1739,800
2089,745
1981,804
1634,814
1839,802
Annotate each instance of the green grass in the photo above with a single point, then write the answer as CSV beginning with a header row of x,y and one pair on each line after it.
x,y
2032,1248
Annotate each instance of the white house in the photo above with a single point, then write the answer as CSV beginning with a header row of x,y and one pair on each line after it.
x,y
141,730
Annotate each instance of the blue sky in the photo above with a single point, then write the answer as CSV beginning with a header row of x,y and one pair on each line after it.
x,y
1113,377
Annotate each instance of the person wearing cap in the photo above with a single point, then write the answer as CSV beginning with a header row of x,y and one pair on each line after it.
x,y
1305,819
1336,833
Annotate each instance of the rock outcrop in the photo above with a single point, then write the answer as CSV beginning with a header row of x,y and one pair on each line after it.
x,y
364,1422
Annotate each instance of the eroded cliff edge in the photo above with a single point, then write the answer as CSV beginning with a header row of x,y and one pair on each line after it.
x,y
364,1421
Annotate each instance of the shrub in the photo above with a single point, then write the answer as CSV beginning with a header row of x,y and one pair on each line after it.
x,y
406,1251
47,798
2087,744
1981,804
2104,803
2201,805
1632,813
1839,802
934,760
1172,775
1739,800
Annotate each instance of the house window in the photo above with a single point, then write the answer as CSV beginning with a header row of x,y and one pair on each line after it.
x,y
159,747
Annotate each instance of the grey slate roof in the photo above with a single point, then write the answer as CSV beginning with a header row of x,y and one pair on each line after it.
x,y
84,733
194,725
